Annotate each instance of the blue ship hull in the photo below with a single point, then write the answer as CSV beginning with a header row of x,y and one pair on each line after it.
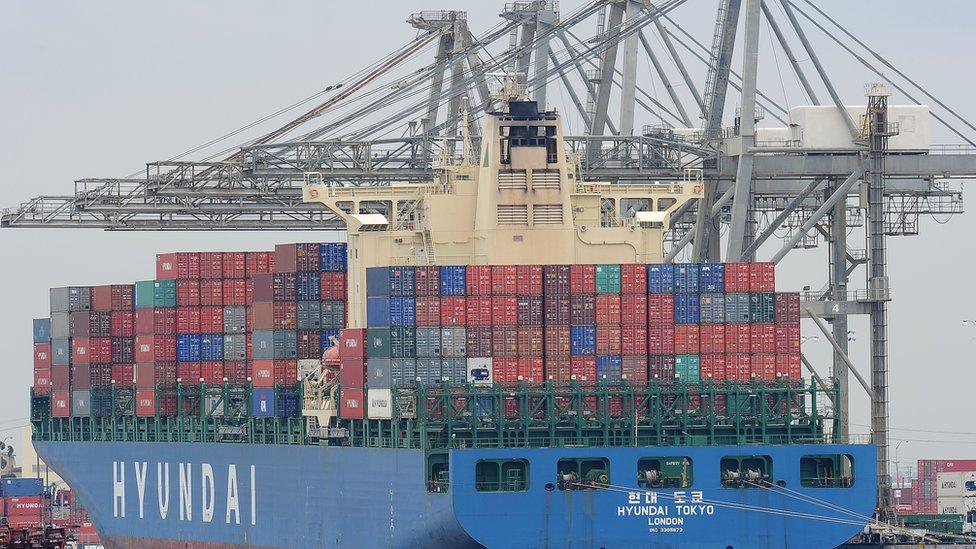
x,y
248,495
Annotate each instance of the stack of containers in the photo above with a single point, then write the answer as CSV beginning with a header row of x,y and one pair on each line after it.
x,y
68,306
926,492
105,346
23,502
42,356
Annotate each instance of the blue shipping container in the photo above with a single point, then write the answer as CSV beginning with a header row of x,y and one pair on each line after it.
x,y
687,309
332,257
403,311
378,282
453,280
308,285
711,277
325,335
188,348
583,340
609,367
21,487
42,330
212,347
378,312
285,344
660,278
686,278
287,405
403,281
263,401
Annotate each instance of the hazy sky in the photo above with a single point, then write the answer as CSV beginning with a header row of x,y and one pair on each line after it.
x,y
99,88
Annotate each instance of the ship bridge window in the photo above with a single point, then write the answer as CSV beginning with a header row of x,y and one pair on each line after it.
x,y
665,472
438,473
382,207
510,475
665,203
630,206
746,471
582,473
827,471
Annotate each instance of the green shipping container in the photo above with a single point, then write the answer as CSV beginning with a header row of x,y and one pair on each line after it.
x,y
378,343
762,308
687,368
155,293
608,279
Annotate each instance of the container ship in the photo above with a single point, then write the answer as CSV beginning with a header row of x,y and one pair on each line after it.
x,y
499,358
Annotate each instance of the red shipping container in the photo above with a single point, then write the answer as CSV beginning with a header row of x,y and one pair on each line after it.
x,y
582,279
529,341
352,372
21,506
504,341
308,256
188,373
212,292
145,402
123,374
428,311
351,343
478,280
211,265
427,281
529,279
211,320
787,337
166,267
262,288
504,311
123,324
60,377
762,277
100,324
235,265
145,375
557,341
687,339
262,373
309,344
286,371
764,367
286,258
608,309
633,340
478,311
453,311
352,403
557,309
79,324
608,339
713,367
42,355
582,309
504,280
633,309
212,372
155,321
738,367
660,308
101,298
505,370
158,348
529,310
236,372
123,297
188,320
738,339
478,341
763,338
42,380
531,370
333,285
558,368
788,366
661,368
285,315
235,292
100,350
261,316
633,278
165,373
737,278
712,338
258,262
60,403
583,368
787,307
188,293
660,339
79,351
634,368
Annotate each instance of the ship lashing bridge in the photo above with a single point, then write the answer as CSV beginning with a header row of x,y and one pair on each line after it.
x,y
397,119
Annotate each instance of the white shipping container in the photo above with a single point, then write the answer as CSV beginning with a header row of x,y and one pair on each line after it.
x,y
969,503
379,404
951,505
480,371
956,484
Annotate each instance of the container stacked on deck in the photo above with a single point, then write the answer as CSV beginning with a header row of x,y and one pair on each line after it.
x,y
197,322
956,492
687,323
926,492
23,502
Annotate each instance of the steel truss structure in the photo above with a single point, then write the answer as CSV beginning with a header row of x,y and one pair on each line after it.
x,y
396,120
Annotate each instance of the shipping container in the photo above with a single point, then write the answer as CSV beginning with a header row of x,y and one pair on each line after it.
x,y
333,256
263,402
712,308
687,339
428,342
453,280
582,279
529,279
660,338
608,279
285,344
379,404
504,341
504,280
762,277
42,330
687,368
403,342
712,338
660,278
787,307
661,368
711,278
686,278
737,308
378,312
633,309
687,308
478,280
582,340
352,403
633,279
333,285
607,309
